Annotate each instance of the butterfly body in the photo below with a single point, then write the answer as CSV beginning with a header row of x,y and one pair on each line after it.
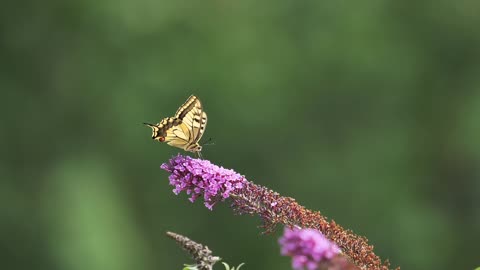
x,y
185,129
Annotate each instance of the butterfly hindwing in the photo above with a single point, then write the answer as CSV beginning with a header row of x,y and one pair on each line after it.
x,y
203,125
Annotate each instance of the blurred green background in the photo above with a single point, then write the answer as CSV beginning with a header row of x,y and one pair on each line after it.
x,y
366,111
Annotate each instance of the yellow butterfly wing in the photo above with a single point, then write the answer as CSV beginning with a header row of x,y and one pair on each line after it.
x,y
192,115
178,136
203,125
191,102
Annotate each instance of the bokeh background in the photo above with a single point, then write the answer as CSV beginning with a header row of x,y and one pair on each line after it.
x,y
366,111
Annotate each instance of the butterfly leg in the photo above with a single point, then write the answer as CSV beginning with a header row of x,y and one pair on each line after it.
x,y
199,154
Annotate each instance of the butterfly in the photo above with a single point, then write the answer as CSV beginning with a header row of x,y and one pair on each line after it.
x,y
185,129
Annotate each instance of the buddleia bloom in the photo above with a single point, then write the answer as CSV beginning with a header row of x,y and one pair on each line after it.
x,y
198,177
307,247
201,178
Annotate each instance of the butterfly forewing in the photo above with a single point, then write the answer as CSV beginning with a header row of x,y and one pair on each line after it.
x,y
193,119
160,129
187,106
176,136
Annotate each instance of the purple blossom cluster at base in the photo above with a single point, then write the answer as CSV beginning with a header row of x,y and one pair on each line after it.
x,y
198,177
307,247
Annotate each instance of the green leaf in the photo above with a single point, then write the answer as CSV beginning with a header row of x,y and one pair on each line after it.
x,y
190,267
227,267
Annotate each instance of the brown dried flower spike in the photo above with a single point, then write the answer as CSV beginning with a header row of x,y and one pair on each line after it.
x,y
201,254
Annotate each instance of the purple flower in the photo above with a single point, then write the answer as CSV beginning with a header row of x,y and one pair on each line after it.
x,y
308,247
198,177
201,178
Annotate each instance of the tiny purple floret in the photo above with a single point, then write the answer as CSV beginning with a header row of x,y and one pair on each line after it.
x,y
198,177
307,247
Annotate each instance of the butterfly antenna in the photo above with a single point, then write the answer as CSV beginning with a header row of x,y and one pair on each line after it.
x,y
209,142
